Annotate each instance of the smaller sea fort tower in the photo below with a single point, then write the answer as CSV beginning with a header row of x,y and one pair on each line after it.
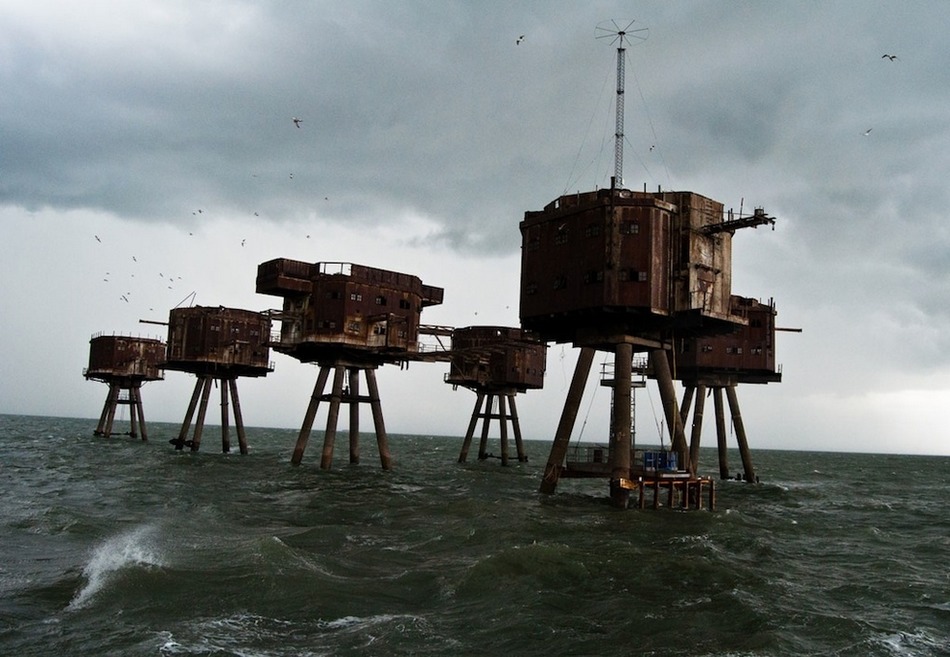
x,y
349,319
217,344
125,364
496,363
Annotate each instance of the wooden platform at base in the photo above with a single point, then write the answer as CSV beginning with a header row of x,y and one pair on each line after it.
x,y
682,490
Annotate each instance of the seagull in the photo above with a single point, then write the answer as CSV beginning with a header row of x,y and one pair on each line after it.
x,y
134,259
97,239
297,121
519,40
256,215
242,242
867,132
291,176
890,57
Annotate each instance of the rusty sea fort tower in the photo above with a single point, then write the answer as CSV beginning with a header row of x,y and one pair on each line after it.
x,y
629,272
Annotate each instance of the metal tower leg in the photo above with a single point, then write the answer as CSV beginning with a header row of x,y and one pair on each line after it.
x,y
555,464
304,434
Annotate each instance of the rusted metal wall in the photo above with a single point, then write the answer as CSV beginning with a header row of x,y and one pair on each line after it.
x,y
747,354
113,357
203,339
702,263
594,254
639,263
487,357
330,305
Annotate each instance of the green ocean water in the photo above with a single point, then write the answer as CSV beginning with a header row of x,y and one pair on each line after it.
x,y
119,547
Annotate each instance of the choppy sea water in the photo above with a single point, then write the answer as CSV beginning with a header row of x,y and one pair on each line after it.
x,y
118,547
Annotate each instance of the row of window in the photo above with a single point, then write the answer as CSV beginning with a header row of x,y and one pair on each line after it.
x,y
380,300
733,350
591,277
562,234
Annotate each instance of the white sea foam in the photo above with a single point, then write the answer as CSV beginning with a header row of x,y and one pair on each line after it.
x,y
135,547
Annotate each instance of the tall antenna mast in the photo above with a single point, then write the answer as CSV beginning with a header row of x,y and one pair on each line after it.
x,y
621,36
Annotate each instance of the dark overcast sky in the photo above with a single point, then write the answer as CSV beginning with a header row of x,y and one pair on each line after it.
x,y
427,132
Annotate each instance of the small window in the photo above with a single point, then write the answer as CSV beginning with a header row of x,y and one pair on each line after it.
x,y
404,304
560,282
531,288
592,230
380,300
629,228
354,296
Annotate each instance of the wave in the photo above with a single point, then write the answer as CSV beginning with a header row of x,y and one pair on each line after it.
x,y
134,548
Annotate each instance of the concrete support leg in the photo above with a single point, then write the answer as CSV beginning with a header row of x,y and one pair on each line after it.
x,y
620,438
503,422
137,402
562,437
133,416
238,418
304,436
113,403
486,424
516,428
740,434
472,423
660,364
721,434
687,403
202,410
696,433
333,417
354,403
225,418
381,440
189,414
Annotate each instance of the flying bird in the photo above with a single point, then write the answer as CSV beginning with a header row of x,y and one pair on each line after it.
x,y
889,57
868,132
242,242
519,40
97,239
297,121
